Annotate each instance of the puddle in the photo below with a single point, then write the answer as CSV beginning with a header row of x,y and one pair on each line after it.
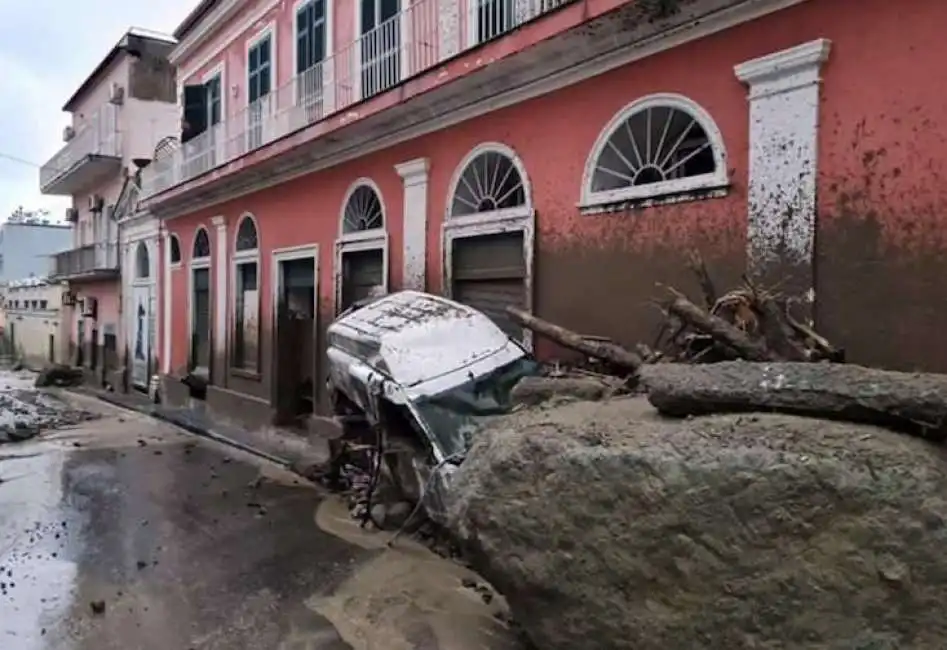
x,y
408,598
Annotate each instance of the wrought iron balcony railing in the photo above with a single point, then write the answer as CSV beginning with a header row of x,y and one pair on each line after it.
x,y
409,43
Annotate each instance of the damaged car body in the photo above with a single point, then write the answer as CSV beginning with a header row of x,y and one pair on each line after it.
x,y
412,377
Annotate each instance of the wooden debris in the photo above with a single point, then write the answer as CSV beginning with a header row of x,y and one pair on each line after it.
x,y
912,403
612,353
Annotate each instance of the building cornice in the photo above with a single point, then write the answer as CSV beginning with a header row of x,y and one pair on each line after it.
x,y
208,25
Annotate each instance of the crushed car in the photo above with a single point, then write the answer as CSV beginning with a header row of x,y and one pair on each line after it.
x,y
412,377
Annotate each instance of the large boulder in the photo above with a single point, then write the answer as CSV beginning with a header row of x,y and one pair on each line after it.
x,y
609,527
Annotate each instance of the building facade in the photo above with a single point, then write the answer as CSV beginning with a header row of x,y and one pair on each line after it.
x,y
25,247
33,327
119,116
561,156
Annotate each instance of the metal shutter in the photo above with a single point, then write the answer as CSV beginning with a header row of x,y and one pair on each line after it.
x,y
361,270
489,273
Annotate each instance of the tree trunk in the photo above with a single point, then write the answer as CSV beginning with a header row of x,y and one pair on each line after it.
x,y
719,329
913,403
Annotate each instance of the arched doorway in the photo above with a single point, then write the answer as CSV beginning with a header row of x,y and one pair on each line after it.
x,y
140,318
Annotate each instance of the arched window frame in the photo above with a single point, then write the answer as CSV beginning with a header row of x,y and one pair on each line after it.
x,y
487,223
194,264
143,270
174,242
250,367
672,191
362,240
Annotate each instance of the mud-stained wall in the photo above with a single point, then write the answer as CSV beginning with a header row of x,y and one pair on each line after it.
x,y
882,246
878,244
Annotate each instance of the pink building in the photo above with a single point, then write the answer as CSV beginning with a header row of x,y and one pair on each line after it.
x,y
120,113
564,156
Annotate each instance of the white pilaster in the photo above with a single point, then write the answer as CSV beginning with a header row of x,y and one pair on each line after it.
x,y
415,176
220,287
166,301
448,28
784,126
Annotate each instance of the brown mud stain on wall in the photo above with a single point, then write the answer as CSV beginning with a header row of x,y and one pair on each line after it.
x,y
881,260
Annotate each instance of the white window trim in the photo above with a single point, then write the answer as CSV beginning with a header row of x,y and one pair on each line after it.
x,y
238,259
302,252
219,70
195,264
521,219
403,27
137,279
174,266
267,114
299,4
363,240
670,190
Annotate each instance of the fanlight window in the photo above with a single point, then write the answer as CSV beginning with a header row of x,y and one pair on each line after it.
x,y
175,249
246,236
659,148
490,182
142,265
201,244
363,211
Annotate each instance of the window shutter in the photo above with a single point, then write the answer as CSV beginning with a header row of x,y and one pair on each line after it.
x,y
195,112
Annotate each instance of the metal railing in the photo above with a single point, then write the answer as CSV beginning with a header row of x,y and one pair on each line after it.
x,y
411,42
98,135
85,260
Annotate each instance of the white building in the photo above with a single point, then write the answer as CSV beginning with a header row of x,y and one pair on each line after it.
x,y
34,326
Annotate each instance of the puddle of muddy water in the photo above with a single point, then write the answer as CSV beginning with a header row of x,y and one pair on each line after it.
x,y
408,598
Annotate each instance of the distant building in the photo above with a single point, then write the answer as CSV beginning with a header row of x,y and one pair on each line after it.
x,y
120,113
33,324
25,248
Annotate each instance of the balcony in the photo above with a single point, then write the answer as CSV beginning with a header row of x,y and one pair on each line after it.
x,y
414,41
92,262
91,155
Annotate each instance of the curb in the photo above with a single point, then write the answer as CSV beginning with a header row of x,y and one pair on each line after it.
x,y
190,427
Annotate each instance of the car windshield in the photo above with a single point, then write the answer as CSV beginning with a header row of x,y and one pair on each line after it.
x,y
460,411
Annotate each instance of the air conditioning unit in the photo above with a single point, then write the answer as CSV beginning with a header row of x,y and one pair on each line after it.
x,y
72,215
68,134
90,307
117,93
96,203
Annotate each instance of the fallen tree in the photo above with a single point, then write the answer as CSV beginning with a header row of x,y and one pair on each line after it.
x,y
914,403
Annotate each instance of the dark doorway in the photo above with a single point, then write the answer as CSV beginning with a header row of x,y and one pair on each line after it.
x,y
295,384
380,45
52,348
200,325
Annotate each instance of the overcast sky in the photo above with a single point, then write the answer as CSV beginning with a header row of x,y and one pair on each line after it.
x,y
47,48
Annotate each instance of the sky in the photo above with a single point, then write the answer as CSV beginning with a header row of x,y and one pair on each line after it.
x,y
48,48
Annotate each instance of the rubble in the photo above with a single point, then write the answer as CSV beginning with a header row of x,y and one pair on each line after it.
x,y
607,526
25,411
58,375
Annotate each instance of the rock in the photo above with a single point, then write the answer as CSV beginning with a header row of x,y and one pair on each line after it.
x,y
608,527
397,514
97,606
58,375
532,391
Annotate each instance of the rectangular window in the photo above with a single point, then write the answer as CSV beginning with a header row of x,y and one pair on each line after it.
x,y
246,339
212,88
310,53
43,304
380,45
200,321
259,84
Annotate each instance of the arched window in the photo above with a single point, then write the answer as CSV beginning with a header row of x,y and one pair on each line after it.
x,y
175,245
245,351
489,235
246,235
361,252
490,182
658,146
142,263
201,244
363,211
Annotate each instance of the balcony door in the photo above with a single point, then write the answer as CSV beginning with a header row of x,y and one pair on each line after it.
x,y
259,85
380,45
212,90
310,53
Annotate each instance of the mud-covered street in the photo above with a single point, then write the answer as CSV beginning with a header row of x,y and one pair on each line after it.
x,y
123,532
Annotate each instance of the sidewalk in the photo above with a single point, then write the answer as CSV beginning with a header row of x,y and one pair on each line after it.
x,y
276,445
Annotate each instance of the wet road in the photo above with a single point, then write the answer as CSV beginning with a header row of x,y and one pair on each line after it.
x,y
187,544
